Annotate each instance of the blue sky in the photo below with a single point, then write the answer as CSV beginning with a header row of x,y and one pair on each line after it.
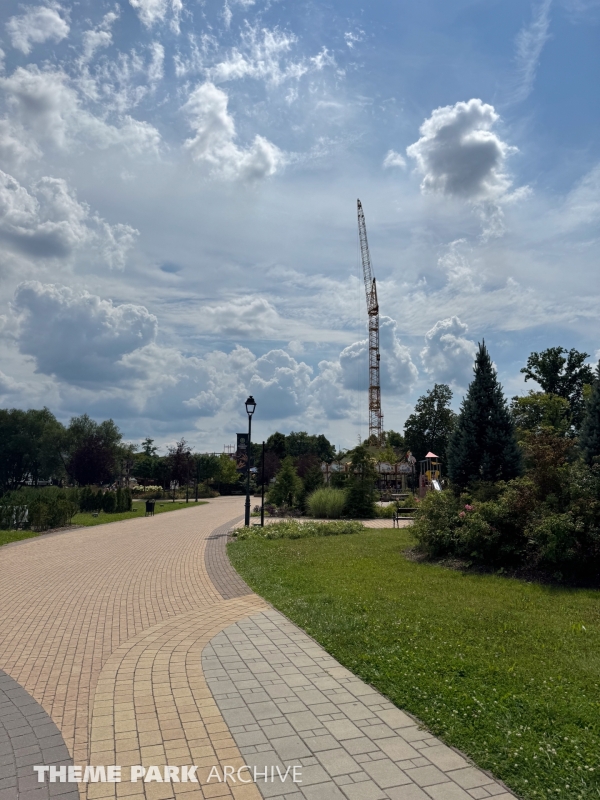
x,y
178,204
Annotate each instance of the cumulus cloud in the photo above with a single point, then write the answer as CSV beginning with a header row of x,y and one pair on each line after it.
x,y
152,12
459,155
394,159
49,222
251,317
448,356
214,142
398,373
529,43
37,25
76,336
47,108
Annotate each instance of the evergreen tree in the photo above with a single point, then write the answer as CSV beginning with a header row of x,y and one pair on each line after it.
x,y
483,446
360,485
287,486
589,441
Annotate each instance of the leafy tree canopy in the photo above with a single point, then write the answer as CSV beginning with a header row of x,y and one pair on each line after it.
x,y
31,445
589,441
430,425
300,443
540,412
563,373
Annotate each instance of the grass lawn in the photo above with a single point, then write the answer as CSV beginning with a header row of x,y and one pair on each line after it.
x,y
15,536
508,672
87,520
139,509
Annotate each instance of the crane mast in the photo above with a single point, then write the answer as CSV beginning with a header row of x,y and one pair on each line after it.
x,y
375,415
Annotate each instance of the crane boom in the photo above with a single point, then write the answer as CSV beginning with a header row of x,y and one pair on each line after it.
x,y
375,415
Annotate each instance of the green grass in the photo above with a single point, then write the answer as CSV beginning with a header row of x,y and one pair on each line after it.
x,y
6,537
87,520
506,671
160,508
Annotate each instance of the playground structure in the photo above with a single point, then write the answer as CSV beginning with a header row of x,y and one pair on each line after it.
x,y
430,474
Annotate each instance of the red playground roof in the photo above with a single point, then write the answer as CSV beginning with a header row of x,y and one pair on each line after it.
x,y
431,455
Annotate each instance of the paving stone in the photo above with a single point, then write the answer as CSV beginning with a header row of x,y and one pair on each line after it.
x,y
470,777
445,758
338,762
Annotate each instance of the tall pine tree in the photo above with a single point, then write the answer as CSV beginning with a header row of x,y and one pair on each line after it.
x,y
483,446
589,440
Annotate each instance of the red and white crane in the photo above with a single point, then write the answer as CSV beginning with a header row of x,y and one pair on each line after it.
x,y
375,415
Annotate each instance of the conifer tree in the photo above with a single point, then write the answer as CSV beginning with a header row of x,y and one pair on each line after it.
x,y
589,440
287,486
483,446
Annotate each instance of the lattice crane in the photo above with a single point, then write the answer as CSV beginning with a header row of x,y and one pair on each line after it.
x,y
375,415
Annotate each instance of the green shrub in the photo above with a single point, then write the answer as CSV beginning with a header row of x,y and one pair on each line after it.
x,y
292,529
38,509
385,512
109,503
326,503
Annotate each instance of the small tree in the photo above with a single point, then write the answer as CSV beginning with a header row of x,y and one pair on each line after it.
x,y
287,487
483,446
589,441
360,485
430,425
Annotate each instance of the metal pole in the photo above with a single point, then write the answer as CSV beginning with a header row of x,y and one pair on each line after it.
x,y
247,522
197,470
262,503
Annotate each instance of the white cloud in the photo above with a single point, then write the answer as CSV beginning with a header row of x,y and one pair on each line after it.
x,y
529,44
214,142
448,356
260,56
15,146
151,12
582,204
398,373
251,317
394,159
156,69
76,336
459,155
48,109
37,25
9,385
49,222
352,38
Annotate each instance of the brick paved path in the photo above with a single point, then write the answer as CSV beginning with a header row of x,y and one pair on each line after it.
x,y
136,643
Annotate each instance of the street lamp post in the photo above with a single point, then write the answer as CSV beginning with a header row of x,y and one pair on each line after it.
x,y
250,406
262,492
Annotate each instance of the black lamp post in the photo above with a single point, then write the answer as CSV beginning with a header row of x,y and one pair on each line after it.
x,y
250,406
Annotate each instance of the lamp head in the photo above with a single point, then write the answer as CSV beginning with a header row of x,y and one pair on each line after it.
x,y
250,405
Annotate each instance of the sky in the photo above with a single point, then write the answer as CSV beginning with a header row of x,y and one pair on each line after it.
x,y
178,186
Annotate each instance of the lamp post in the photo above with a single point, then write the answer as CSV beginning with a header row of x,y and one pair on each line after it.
x,y
262,492
250,406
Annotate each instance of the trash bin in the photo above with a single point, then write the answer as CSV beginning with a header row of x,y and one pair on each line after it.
x,y
150,507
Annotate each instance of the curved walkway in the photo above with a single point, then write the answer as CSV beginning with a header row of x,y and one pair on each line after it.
x,y
136,643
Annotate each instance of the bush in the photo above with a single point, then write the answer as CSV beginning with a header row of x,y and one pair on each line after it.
x,y
385,512
326,503
38,509
292,529
515,528
109,503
